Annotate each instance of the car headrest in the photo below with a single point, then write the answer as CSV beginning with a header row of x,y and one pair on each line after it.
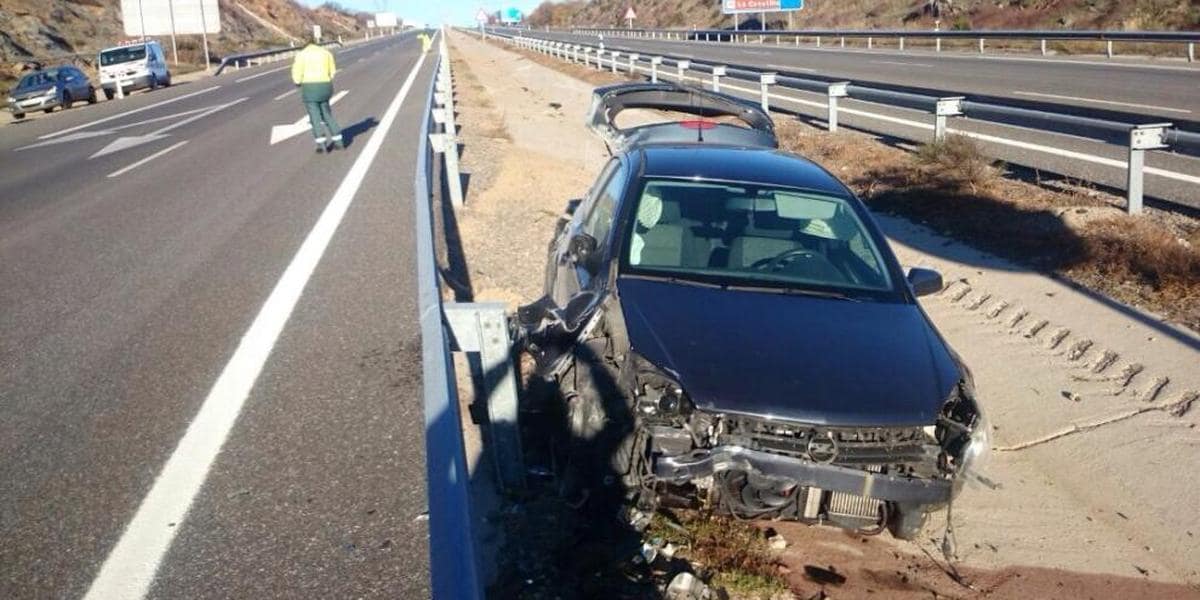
x,y
650,210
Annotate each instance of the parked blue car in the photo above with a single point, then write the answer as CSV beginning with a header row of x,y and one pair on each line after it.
x,y
47,89
730,330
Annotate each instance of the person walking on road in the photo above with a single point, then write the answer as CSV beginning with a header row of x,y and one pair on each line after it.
x,y
313,71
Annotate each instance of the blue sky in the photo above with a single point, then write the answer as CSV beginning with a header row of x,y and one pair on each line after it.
x,y
458,12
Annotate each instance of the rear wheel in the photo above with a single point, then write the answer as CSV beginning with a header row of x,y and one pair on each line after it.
x,y
167,83
108,94
91,95
153,82
67,101
18,115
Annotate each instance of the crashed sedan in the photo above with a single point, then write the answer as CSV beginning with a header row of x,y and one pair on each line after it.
x,y
730,331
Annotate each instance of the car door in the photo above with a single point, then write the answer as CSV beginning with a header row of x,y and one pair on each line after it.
x,y
594,218
79,84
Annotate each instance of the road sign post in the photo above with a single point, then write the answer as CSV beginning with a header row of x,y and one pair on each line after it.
x,y
630,16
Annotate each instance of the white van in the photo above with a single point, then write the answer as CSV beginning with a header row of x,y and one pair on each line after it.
x,y
137,65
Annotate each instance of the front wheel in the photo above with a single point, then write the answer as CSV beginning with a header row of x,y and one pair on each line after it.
x,y
67,101
108,94
18,116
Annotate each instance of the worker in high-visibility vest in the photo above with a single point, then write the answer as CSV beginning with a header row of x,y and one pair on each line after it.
x,y
426,41
313,71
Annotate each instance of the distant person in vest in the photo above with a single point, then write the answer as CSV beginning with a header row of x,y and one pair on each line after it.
x,y
313,72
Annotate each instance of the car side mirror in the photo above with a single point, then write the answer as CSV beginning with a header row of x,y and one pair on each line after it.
x,y
924,281
573,205
581,249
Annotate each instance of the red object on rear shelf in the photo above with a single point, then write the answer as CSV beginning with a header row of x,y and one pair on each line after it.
x,y
698,124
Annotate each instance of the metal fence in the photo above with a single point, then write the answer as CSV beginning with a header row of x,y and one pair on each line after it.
x,y
1188,39
249,59
1137,138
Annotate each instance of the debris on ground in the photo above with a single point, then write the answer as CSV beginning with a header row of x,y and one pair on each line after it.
x,y
824,576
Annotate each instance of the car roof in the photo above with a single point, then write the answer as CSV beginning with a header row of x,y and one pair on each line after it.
x,y
766,166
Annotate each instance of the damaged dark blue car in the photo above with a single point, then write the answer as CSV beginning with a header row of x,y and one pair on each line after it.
x,y
729,325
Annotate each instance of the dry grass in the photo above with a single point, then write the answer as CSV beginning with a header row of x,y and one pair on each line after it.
x,y
730,554
576,70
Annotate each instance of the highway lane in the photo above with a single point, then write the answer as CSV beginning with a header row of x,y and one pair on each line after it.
x,y
1118,89
1173,178
122,300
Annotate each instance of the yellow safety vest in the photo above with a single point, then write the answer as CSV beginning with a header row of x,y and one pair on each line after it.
x,y
313,64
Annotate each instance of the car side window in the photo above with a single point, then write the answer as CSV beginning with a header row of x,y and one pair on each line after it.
x,y
599,221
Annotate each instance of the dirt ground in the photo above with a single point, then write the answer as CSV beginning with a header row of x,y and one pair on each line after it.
x,y
1075,516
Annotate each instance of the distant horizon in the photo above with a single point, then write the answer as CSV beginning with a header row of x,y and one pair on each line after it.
x,y
456,12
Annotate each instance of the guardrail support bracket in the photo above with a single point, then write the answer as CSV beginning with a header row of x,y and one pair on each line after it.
x,y
482,328
1151,136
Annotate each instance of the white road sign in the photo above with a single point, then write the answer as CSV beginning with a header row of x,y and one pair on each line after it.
x,y
629,14
385,19
155,17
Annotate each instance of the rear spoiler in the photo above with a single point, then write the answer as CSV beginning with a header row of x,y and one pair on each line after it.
x,y
610,101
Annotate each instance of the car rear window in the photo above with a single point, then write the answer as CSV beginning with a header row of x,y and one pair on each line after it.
x,y
749,234
121,55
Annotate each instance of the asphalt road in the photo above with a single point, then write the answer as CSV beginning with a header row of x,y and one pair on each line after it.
x,y
141,287
1143,91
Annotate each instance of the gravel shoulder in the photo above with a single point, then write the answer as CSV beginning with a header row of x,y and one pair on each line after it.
x,y
1095,512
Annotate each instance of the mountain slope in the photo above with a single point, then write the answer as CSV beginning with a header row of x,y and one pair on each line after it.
x,y
889,14
51,31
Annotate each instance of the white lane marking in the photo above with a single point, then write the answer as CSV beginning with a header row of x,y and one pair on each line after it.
x,y
1096,101
285,94
792,68
139,163
1099,160
301,125
899,63
257,75
131,565
755,52
127,113
123,143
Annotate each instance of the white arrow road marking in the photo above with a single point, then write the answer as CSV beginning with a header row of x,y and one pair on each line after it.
x,y
283,132
132,563
127,113
139,163
82,135
123,143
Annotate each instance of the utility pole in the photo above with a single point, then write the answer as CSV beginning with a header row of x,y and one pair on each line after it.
x,y
204,33
174,47
142,18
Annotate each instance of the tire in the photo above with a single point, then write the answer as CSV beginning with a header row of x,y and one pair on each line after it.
x,y
67,100
167,83
48,110
18,116
92,96
108,94
153,82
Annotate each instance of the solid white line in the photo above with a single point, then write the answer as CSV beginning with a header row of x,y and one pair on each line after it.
x,y
131,565
127,113
286,94
1093,100
902,64
791,68
139,163
257,75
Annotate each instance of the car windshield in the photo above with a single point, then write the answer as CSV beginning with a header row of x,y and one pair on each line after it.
x,y
750,235
122,55
38,79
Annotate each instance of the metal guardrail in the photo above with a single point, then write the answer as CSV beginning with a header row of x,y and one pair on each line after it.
x,y
1136,137
273,54
480,328
1188,38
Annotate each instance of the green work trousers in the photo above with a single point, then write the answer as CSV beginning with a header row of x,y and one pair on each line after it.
x,y
320,115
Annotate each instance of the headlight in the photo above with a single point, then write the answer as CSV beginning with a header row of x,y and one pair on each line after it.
x,y
965,436
658,392
11,100
50,93
978,449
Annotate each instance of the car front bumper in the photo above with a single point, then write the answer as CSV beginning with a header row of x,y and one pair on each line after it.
x,y
703,463
127,83
24,105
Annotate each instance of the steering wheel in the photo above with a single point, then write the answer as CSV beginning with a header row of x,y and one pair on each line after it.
x,y
782,260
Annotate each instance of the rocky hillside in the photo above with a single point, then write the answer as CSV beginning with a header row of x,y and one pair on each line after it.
x,y
50,31
891,14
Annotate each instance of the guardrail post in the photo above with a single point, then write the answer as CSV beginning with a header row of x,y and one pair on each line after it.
x,y
818,41
718,73
633,58
1141,138
1191,52
939,44
1109,49
870,42
681,68
575,53
654,62
902,44
843,41
483,328
615,55
946,107
765,81
836,90
981,45
587,57
797,40
1043,47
